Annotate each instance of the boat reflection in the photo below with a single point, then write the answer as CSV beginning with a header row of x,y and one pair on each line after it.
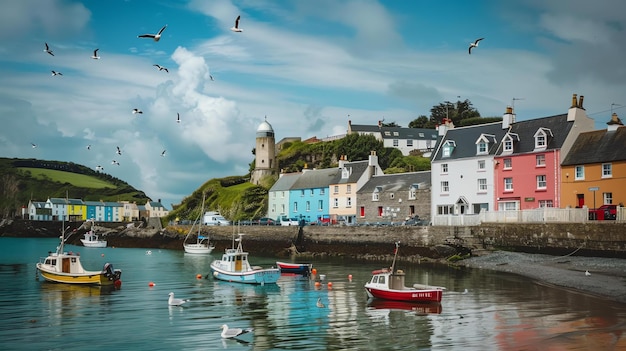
x,y
417,307
240,294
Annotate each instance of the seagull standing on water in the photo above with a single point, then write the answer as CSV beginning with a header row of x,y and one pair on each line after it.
x,y
33,145
156,37
229,333
47,49
473,45
175,302
95,55
236,27
161,68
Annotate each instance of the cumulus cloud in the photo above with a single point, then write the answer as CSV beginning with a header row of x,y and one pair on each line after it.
x,y
55,17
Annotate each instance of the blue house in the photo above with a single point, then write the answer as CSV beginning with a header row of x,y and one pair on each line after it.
x,y
308,196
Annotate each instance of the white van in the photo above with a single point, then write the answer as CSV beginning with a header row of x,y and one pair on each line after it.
x,y
215,218
286,221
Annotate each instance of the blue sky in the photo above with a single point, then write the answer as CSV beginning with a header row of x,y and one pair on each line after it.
x,y
309,66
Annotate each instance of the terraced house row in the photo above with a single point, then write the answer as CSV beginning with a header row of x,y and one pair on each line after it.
x,y
58,209
509,166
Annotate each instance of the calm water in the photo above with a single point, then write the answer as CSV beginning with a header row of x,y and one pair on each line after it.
x,y
499,312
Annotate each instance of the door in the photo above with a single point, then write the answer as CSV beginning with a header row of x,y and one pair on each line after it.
x,y
580,200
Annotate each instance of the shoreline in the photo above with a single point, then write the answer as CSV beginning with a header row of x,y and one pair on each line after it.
x,y
607,277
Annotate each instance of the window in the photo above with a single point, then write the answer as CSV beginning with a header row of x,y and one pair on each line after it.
x,y
445,188
607,170
545,203
579,173
348,189
445,209
295,207
375,196
312,192
481,165
395,143
336,189
481,148
541,138
444,168
302,192
540,141
540,160
508,184
541,182
282,195
508,163
607,198
448,147
282,208
482,185
413,191
320,205
335,202
508,206
322,192
349,202
308,206
409,142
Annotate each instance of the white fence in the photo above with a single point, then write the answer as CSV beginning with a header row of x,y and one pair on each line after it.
x,y
539,215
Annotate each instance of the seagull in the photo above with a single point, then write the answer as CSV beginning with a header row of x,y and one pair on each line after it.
x,y
95,55
33,145
236,27
163,153
55,73
474,44
99,168
136,111
115,163
119,152
47,49
177,117
175,302
156,37
161,68
465,291
210,76
319,303
229,333
587,273
89,147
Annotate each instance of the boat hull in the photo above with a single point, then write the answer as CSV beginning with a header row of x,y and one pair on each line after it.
x,y
407,295
258,276
198,249
294,268
87,278
419,307
87,243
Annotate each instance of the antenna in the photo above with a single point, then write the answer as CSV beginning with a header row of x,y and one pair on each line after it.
x,y
513,102
614,104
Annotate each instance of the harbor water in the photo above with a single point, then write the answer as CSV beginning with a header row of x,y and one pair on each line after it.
x,y
480,310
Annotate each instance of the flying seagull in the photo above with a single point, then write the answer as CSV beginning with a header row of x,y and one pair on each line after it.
x,y
175,302
89,147
115,163
95,55
229,333
163,153
211,76
47,49
161,68
236,27
136,111
99,168
55,73
119,152
156,37
474,44
33,145
177,117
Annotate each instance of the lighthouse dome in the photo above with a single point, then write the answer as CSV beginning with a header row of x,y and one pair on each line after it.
x,y
265,130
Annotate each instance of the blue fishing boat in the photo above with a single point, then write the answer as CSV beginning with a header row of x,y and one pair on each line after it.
x,y
235,267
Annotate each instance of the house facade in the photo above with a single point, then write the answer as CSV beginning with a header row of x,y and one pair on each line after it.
x,y
155,209
39,211
278,195
528,161
593,172
308,196
403,139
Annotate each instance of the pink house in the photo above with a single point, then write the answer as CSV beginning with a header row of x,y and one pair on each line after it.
x,y
527,165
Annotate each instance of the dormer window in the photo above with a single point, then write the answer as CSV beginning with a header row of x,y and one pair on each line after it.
x,y
376,193
482,144
541,138
508,142
387,133
395,134
345,172
448,147
413,191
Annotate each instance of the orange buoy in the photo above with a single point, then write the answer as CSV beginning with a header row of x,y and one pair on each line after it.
x,y
330,285
118,283
198,276
350,277
314,271
318,284
151,284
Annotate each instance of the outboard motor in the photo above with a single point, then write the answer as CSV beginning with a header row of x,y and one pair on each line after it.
x,y
112,274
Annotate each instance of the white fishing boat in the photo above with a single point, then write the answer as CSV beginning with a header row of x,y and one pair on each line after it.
x,y
91,239
65,267
235,267
202,246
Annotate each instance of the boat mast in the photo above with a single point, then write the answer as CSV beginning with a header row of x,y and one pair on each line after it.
x,y
201,216
395,254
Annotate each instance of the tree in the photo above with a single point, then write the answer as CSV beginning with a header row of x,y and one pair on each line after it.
x,y
390,124
454,111
421,122
358,147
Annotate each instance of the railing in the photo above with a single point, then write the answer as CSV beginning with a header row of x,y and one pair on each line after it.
x,y
539,215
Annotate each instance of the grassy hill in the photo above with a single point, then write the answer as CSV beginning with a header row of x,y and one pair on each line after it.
x,y
24,179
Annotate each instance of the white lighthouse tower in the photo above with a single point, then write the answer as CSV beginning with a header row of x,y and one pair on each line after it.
x,y
265,163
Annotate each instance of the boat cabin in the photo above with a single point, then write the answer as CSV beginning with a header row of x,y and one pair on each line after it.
x,y
235,260
388,279
65,263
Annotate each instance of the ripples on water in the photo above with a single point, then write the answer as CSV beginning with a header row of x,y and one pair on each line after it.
x,y
499,312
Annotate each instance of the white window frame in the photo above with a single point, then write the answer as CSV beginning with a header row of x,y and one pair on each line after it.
x,y
542,184
607,170
508,184
445,187
579,172
540,160
482,185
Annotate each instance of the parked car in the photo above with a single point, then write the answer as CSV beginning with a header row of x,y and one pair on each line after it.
x,y
286,221
266,221
604,212
415,220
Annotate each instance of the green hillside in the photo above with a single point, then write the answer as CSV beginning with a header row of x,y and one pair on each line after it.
x,y
24,179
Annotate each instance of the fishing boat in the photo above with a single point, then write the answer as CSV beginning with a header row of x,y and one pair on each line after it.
x,y
235,267
65,267
294,268
388,284
202,246
91,239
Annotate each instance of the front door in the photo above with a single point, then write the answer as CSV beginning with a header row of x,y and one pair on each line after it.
x,y
580,200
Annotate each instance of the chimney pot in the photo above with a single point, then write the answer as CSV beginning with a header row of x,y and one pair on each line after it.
x,y
574,101
509,110
580,103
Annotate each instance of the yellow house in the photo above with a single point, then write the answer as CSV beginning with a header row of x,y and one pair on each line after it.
x,y
593,173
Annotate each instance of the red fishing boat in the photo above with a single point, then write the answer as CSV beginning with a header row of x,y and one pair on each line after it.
x,y
388,284
294,268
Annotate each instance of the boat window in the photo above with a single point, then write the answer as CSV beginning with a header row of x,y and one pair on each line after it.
x,y
381,280
73,259
375,279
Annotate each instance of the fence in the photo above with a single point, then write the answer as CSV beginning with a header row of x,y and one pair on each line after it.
x,y
539,215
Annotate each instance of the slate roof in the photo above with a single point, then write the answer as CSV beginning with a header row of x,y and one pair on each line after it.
x,y
465,139
597,146
396,182
285,182
38,204
112,204
60,200
94,203
558,125
358,167
402,133
317,178
155,204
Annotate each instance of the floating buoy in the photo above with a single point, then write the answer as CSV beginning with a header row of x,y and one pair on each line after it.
x,y
330,285
314,271
118,283
151,284
318,284
350,277
199,276
102,255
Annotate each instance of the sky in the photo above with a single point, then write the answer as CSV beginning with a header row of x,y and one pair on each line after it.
x,y
308,67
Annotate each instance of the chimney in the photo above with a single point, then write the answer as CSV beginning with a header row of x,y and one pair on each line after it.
x,y
508,118
380,124
159,200
373,158
614,123
342,161
576,109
